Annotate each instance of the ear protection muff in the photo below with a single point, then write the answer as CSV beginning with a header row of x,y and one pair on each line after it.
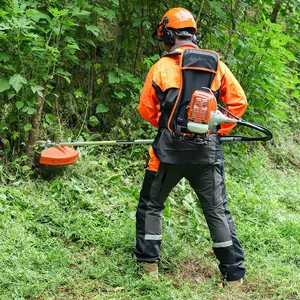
x,y
168,36
195,38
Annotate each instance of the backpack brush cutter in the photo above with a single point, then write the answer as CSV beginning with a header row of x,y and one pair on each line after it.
x,y
202,115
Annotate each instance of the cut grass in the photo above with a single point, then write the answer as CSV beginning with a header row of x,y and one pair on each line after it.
x,y
72,237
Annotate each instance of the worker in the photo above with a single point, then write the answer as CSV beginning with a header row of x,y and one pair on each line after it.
x,y
176,153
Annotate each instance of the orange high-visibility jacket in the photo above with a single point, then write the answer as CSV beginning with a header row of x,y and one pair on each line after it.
x,y
166,75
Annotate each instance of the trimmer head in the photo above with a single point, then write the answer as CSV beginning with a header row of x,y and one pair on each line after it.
x,y
58,156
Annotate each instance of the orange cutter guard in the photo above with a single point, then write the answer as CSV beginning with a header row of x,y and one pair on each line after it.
x,y
58,156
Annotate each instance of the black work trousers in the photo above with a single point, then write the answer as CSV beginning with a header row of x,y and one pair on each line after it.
x,y
208,183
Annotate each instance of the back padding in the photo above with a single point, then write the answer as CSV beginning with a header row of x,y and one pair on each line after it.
x,y
198,69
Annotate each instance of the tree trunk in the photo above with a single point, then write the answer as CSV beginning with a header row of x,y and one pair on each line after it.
x,y
200,11
275,11
34,131
138,53
91,79
92,73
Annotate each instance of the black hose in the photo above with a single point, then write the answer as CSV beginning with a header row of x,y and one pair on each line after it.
x,y
237,138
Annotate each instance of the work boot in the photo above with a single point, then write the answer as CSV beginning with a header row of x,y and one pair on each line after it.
x,y
235,283
151,269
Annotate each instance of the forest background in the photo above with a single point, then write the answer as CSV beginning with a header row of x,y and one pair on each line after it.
x,y
73,71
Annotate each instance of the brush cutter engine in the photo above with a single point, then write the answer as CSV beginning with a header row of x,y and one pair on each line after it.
x,y
202,112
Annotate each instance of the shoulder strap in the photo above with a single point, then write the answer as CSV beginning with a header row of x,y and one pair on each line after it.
x,y
174,53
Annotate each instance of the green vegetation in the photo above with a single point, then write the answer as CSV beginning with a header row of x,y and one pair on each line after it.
x,y
72,237
73,70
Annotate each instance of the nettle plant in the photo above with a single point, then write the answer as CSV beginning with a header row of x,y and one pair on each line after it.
x,y
39,43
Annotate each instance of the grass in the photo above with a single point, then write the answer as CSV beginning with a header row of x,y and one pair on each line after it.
x,y
72,236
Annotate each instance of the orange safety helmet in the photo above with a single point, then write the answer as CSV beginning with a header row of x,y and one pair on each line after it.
x,y
175,18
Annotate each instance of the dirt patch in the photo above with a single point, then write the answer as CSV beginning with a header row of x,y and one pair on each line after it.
x,y
193,271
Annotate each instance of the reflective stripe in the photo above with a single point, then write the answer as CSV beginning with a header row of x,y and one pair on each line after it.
x,y
223,244
153,237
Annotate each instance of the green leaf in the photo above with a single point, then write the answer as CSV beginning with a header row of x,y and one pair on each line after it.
x,y
27,127
296,94
2,207
3,197
5,57
107,13
67,79
78,94
29,110
112,78
62,72
17,82
73,46
50,118
48,102
37,89
69,23
101,108
23,23
4,84
80,13
89,41
94,29
19,104
25,168
58,13
3,13
93,121
120,95
189,198
115,178
4,26
11,94
126,191
187,206
36,15
15,135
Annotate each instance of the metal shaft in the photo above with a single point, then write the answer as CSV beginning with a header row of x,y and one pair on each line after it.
x,y
99,143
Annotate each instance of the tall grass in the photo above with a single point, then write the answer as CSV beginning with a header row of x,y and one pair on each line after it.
x,y
72,236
